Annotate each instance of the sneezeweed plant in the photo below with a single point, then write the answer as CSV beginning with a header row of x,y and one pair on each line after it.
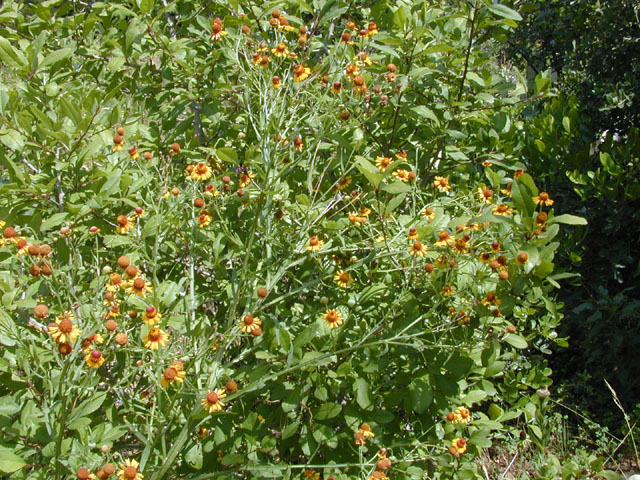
x,y
210,270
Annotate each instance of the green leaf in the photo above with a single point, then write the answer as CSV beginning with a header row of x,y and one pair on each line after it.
x,y
194,456
567,220
88,406
474,396
369,171
396,187
145,6
56,56
227,155
515,340
9,55
328,410
9,461
53,221
232,459
401,17
395,202
420,395
424,112
504,11
363,396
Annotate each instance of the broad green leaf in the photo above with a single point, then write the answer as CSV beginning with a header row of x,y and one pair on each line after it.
x,y
227,155
9,461
363,395
328,410
567,220
515,340
397,187
504,11
474,396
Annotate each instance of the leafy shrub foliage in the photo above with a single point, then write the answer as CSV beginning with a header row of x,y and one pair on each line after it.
x,y
267,241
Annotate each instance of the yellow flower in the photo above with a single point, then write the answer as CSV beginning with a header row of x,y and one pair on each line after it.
x,y
402,156
402,175
363,433
343,183
217,30
250,324
543,199
94,359
459,415
413,234
446,240
300,73
138,286
447,290
372,29
343,279
155,338
129,471
124,224
333,318
459,445
211,403
276,81
280,50
246,178
502,210
63,330
175,373
362,59
417,249
87,343
429,214
485,195
204,219
364,211
201,171
357,219
314,244
383,163
351,71
151,316
442,184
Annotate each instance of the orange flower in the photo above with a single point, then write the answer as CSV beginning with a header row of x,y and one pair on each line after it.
x,y
333,318
300,73
175,373
383,163
211,403
155,339
543,199
442,184
314,244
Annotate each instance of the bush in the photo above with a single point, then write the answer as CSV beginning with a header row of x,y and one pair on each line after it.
x,y
281,240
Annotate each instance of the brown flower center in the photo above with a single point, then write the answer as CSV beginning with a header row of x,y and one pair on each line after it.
x,y
122,220
248,320
313,241
201,168
66,326
138,283
417,245
443,235
170,373
544,196
155,334
130,473
212,398
344,277
96,355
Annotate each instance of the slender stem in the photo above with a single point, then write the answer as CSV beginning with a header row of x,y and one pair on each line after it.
x,y
62,419
466,60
